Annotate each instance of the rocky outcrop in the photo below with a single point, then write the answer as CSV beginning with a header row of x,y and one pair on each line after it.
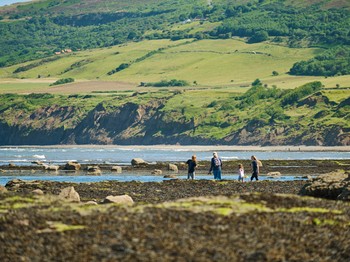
x,y
71,165
334,185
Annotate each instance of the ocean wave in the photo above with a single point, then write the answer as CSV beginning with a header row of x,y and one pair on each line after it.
x,y
12,149
229,157
39,156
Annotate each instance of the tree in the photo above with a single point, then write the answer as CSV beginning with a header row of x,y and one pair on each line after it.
x,y
257,82
258,37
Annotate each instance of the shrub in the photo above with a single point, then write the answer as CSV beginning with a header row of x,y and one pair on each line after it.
x,y
164,83
63,81
300,92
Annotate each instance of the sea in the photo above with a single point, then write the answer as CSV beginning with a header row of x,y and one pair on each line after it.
x,y
122,155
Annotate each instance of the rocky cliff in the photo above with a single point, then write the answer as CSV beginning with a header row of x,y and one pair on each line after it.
x,y
144,119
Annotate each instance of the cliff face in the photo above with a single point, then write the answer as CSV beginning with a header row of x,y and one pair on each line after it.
x,y
147,124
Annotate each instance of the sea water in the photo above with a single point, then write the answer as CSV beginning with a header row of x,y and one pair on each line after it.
x,y
123,156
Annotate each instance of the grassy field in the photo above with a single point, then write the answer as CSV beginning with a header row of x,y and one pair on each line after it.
x,y
229,64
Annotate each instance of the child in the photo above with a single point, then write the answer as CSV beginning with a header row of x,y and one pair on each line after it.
x,y
240,173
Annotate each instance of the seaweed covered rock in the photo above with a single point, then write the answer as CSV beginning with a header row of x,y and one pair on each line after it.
x,y
334,185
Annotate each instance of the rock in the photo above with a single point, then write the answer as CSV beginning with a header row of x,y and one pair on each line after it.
x,y
71,165
37,162
274,174
171,176
117,169
51,167
138,162
157,172
172,167
38,192
14,183
123,199
92,203
94,170
70,194
334,185
3,189
12,165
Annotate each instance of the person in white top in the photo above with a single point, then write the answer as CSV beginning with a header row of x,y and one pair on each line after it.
x,y
240,173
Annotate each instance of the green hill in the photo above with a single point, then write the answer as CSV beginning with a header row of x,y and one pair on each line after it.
x,y
38,29
235,58
307,115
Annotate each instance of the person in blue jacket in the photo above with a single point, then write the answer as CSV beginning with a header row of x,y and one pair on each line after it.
x,y
216,166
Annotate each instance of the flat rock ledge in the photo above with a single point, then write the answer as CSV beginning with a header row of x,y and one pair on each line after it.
x,y
334,185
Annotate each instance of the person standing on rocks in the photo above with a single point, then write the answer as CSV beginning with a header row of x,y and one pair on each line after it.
x,y
255,168
192,163
216,166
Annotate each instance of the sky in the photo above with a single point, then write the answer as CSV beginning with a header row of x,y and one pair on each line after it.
x,y
8,2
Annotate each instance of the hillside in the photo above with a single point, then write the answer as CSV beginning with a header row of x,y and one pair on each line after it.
x,y
39,29
307,115
247,72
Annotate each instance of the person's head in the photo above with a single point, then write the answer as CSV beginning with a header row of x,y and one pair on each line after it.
x,y
215,154
253,158
194,158
240,166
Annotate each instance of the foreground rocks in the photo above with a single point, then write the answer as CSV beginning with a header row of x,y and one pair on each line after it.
x,y
236,227
334,185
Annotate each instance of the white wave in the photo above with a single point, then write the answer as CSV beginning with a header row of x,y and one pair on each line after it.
x,y
39,156
14,160
229,157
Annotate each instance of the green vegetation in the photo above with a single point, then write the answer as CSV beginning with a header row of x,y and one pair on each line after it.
x,y
37,30
63,81
202,114
295,95
332,62
165,83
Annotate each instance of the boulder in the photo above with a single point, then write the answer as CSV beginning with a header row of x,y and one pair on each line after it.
x,y
172,167
71,165
334,185
123,199
3,189
117,169
38,192
138,162
274,174
157,172
12,165
51,167
94,170
70,194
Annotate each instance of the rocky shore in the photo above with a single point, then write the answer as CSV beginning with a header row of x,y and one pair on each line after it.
x,y
176,220
296,167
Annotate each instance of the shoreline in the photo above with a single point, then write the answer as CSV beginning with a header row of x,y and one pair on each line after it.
x,y
201,148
